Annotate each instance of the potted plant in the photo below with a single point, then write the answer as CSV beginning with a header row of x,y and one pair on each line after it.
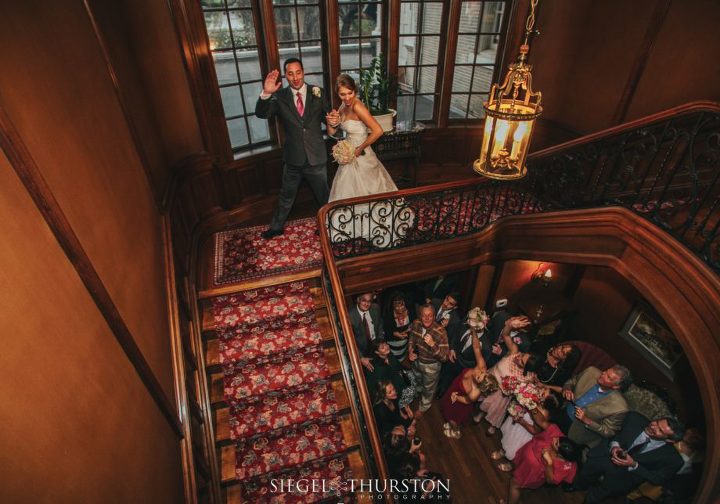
x,y
377,89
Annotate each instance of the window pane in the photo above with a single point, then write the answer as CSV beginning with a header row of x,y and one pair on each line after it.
x,y
426,81
469,15
309,19
432,17
492,17
409,18
406,79
238,132
285,24
249,63
259,131
405,107
424,108
232,104
483,79
218,30
350,54
370,49
407,51
465,49
430,50
458,106
225,67
243,29
476,106
312,57
461,79
251,92
487,49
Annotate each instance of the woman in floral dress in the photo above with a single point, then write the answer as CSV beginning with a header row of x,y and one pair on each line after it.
x,y
515,367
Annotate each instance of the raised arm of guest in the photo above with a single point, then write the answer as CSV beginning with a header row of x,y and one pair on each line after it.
x,y
513,324
477,350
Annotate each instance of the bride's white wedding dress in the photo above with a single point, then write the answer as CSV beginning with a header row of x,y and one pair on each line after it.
x,y
363,176
380,222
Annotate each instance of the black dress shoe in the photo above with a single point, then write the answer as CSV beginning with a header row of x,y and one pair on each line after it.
x,y
271,233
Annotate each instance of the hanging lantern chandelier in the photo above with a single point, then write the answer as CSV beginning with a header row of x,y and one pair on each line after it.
x,y
510,114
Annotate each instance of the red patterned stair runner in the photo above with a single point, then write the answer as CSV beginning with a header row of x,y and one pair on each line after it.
x,y
283,412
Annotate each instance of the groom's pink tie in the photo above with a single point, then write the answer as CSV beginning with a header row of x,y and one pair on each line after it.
x,y
299,105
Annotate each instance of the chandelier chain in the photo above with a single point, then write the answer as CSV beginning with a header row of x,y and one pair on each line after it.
x,y
531,17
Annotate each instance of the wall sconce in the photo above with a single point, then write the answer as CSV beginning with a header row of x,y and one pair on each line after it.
x,y
542,274
510,114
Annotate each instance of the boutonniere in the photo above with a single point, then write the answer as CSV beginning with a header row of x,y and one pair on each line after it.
x,y
316,92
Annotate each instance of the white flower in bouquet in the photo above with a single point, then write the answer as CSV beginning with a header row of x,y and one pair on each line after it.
x,y
343,152
477,319
529,395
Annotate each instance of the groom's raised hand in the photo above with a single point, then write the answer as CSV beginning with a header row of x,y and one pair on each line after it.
x,y
272,83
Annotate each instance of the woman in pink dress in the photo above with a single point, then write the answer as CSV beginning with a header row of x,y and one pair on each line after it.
x,y
517,365
548,458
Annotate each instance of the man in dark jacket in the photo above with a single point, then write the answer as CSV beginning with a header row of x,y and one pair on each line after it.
x,y
641,451
301,108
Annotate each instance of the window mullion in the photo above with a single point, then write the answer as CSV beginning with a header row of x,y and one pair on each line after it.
x,y
452,27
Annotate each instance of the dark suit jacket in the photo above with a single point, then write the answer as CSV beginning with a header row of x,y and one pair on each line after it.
x,y
303,135
656,466
466,358
358,329
455,326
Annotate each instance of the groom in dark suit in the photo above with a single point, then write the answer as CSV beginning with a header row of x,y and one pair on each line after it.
x,y
641,451
301,108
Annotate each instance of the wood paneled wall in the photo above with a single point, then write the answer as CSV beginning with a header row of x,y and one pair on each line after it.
x,y
87,366
591,56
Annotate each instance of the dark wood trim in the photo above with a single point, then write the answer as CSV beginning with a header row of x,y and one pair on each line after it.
x,y
200,70
139,148
515,31
179,369
31,177
448,67
333,49
655,24
392,30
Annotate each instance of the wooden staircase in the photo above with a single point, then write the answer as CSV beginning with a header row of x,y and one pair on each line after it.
x,y
231,488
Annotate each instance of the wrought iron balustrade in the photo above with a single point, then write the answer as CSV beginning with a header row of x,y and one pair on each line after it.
x,y
665,168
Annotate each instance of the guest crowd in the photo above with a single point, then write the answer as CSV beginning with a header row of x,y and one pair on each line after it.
x,y
559,425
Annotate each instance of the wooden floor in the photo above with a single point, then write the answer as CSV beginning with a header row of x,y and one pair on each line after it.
x,y
473,476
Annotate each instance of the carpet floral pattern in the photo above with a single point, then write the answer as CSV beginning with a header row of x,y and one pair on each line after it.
x,y
242,254
277,383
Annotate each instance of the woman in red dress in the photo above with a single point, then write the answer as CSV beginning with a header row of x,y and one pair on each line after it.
x,y
548,458
456,404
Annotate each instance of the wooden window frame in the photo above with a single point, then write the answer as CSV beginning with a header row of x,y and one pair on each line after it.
x,y
190,25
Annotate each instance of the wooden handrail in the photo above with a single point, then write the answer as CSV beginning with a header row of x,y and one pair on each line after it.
x,y
354,356
688,108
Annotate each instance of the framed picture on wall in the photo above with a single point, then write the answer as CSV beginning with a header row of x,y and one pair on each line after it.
x,y
650,336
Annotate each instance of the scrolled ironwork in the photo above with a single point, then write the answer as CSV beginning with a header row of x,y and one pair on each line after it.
x,y
666,170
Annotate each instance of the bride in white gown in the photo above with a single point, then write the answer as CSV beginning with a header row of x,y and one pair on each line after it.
x,y
379,222
365,174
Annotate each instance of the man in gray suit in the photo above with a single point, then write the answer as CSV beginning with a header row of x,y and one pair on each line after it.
x,y
367,326
595,407
301,108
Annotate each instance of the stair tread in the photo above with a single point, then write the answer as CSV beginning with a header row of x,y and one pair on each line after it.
x,y
262,417
236,385
290,447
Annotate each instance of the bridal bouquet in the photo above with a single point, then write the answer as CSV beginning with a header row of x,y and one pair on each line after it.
x,y
515,410
529,395
509,384
477,319
343,152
